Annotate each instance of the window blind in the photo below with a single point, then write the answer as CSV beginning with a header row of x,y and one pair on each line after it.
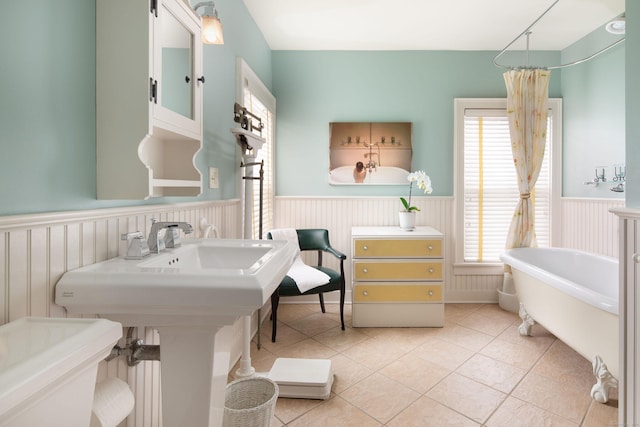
x,y
257,107
490,186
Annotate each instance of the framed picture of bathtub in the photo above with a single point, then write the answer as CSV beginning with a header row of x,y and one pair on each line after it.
x,y
370,153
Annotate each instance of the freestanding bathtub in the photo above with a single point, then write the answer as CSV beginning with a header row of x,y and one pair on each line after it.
x,y
574,295
381,175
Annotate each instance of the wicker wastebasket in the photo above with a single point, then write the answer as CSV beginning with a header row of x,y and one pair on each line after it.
x,y
249,402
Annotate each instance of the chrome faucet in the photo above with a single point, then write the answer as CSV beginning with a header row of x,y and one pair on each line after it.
x,y
137,247
372,164
171,236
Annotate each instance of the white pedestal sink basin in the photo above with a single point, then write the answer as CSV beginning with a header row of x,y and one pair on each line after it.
x,y
186,293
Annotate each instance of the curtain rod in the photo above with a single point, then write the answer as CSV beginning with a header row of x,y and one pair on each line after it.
x,y
527,32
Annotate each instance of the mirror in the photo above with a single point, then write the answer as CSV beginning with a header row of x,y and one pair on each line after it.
x,y
177,82
370,153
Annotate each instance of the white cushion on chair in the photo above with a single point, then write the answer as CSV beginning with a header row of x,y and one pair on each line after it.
x,y
306,277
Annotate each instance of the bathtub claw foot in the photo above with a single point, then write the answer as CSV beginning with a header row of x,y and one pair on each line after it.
x,y
527,321
605,381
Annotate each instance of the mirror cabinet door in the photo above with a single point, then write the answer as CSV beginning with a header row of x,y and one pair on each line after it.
x,y
177,83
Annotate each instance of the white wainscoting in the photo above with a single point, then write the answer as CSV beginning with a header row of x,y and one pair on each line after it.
x,y
586,224
35,250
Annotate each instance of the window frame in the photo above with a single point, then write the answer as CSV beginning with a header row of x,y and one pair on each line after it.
x,y
246,78
460,266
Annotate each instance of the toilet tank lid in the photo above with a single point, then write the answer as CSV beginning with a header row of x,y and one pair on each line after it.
x,y
37,351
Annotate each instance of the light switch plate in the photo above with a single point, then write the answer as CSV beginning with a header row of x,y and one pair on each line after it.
x,y
213,177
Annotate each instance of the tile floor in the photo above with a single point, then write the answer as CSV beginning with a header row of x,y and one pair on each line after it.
x,y
476,371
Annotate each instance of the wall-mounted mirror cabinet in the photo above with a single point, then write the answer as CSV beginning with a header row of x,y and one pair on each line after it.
x,y
149,87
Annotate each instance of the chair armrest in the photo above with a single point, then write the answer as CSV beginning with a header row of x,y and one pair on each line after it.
x,y
336,253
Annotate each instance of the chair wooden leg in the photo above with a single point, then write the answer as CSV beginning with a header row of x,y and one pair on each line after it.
x,y
275,299
321,302
342,308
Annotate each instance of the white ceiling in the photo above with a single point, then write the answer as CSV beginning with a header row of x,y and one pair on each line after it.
x,y
426,24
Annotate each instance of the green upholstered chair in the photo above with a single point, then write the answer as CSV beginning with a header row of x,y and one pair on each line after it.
x,y
312,240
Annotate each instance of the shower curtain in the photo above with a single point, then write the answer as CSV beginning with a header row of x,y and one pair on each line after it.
x,y
527,113
527,93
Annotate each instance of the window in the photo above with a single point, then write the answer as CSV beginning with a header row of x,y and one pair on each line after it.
x,y
255,97
486,190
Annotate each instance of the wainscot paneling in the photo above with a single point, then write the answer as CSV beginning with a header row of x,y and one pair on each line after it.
x,y
589,225
585,224
36,250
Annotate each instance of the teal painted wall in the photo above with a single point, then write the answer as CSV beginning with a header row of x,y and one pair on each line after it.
x,y
315,88
594,114
47,104
632,145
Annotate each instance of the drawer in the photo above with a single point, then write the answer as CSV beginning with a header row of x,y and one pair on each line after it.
x,y
394,292
397,270
397,248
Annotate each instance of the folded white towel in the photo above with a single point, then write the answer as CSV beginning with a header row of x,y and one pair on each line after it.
x,y
306,277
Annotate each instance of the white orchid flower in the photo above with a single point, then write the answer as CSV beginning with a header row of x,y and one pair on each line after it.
x,y
422,181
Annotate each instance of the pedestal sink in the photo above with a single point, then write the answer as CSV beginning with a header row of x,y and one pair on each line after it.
x,y
186,293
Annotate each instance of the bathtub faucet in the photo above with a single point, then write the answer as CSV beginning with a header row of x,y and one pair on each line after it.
x,y
372,164
171,236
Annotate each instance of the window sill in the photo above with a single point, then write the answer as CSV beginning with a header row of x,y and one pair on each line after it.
x,y
478,269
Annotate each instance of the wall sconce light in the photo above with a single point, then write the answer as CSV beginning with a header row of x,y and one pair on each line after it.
x,y
211,25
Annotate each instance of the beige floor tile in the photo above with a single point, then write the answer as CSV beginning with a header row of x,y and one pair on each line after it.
x,y
414,372
374,353
426,412
562,364
285,336
293,311
333,311
443,353
335,412
314,324
380,397
600,415
494,311
494,373
405,376
516,354
464,337
468,397
307,349
347,372
539,339
555,397
408,338
460,310
288,410
340,340
516,413
486,322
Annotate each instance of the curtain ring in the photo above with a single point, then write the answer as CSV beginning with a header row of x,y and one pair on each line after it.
x,y
525,195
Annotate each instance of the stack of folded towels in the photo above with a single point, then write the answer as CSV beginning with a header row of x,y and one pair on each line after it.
x,y
306,277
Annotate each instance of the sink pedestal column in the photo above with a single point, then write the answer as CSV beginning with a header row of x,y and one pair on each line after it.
x,y
193,367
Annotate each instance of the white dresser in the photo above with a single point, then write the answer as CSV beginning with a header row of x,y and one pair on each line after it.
x,y
397,277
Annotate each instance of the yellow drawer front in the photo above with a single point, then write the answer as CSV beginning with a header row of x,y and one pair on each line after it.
x,y
422,270
397,248
376,292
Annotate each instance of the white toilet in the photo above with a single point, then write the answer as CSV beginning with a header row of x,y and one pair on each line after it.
x,y
48,369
